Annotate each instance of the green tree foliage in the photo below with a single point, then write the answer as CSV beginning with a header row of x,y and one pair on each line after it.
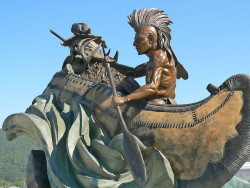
x,y
14,156
4,183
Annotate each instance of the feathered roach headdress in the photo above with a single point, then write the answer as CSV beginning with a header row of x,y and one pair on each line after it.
x,y
156,18
160,21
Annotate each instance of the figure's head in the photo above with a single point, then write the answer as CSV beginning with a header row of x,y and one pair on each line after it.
x,y
80,28
152,20
145,40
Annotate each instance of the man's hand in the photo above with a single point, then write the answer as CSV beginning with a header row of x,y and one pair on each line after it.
x,y
120,100
107,59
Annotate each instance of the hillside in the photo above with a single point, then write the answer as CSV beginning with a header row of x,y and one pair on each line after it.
x,y
14,157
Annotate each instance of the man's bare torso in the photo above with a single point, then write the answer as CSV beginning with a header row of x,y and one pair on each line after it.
x,y
167,79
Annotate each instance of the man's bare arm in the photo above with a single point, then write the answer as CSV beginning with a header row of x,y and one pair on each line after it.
x,y
136,72
145,91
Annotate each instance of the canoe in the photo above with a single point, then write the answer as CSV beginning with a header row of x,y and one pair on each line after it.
x,y
205,142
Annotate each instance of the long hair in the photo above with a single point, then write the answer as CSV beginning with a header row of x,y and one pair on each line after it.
x,y
160,21
157,19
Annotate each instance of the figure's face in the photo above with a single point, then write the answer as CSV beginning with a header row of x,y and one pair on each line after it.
x,y
145,40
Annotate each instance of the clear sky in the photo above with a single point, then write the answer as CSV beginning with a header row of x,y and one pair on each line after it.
x,y
210,38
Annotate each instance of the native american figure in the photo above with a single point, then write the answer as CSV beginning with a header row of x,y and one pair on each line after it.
x,y
152,39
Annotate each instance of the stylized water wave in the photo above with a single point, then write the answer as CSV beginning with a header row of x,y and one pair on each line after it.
x,y
78,150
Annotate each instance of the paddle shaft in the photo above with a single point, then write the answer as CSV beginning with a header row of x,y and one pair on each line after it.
x,y
122,122
131,149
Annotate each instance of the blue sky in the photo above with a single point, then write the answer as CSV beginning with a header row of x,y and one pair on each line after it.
x,y
210,38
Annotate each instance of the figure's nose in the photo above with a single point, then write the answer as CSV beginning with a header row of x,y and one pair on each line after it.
x,y
134,43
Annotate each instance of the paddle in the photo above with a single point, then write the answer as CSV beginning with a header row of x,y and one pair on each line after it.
x,y
130,146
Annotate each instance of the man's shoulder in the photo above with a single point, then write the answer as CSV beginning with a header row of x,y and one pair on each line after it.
x,y
160,58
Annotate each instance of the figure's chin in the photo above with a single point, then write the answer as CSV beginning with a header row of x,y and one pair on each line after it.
x,y
141,52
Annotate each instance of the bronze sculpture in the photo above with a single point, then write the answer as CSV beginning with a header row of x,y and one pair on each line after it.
x,y
76,123
153,39
84,48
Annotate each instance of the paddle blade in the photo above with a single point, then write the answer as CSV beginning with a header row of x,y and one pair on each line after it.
x,y
134,158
